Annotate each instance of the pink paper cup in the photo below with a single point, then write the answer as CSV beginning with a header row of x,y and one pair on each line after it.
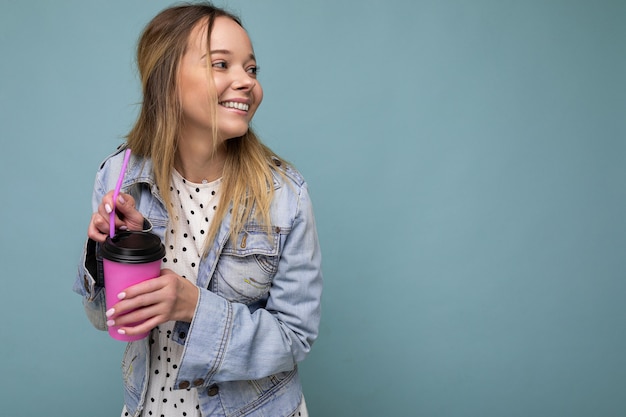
x,y
128,259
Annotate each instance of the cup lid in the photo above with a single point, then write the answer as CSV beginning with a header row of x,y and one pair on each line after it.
x,y
133,247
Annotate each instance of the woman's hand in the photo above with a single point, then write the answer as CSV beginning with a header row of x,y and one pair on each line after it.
x,y
126,216
169,297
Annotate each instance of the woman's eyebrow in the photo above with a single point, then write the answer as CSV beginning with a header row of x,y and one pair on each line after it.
x,y
221,51
227,52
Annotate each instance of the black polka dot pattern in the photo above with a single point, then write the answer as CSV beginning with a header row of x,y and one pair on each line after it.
x,y
184,245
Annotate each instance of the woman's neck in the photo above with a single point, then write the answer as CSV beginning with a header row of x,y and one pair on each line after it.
x,y
198,162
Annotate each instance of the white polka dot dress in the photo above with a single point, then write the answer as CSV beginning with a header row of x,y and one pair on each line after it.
x,y
194,205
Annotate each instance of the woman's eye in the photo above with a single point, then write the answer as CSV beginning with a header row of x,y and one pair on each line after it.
x,y
220,65
254,70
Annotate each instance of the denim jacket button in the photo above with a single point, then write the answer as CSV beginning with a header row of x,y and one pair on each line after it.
x,y
198,382
213,390
184,384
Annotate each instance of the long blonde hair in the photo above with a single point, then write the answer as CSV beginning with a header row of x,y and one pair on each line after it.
x,y
247,180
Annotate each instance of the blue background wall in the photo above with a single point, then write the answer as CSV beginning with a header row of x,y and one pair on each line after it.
x,y
467,162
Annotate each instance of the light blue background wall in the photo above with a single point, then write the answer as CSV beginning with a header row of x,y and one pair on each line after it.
x,y
467,162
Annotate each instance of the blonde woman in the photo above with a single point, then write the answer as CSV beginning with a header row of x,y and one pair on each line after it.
x,y
237,304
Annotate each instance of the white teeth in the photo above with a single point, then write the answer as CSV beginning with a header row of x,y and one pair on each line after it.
x,y
235,105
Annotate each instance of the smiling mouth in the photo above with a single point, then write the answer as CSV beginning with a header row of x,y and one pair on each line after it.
x,y
235,105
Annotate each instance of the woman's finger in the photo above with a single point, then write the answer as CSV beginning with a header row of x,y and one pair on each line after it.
x,y
130,217
98,228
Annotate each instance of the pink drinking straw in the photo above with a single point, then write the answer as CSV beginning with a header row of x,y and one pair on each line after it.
x,y
116,192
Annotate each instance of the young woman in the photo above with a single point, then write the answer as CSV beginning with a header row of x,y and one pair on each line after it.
x,y
237,304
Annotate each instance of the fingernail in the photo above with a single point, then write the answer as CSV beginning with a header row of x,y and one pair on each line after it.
x,y
121,200
108,208
123,228
121,296
110,312
121,331
110,323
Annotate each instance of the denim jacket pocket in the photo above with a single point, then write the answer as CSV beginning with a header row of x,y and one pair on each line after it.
x,y
246,268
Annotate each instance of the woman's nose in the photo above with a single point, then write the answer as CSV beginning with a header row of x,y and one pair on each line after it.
x,y
242,80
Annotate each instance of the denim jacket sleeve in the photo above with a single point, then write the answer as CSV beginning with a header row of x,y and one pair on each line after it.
x,y
230,341
89,279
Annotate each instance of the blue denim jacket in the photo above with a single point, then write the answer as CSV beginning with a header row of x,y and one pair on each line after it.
x,y
242,347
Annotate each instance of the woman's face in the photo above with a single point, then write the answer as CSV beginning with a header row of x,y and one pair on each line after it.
x,y
234,75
